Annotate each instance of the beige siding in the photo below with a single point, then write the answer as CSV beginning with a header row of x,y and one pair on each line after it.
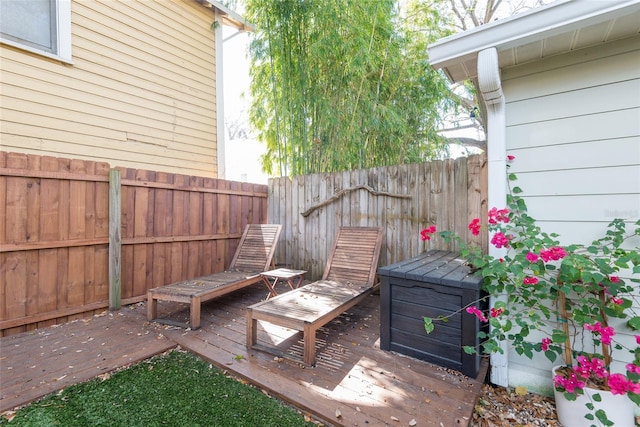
x,y
573,123
141,92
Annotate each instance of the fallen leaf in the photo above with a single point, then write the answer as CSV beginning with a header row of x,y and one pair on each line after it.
x,y
521,390
413,423
338,413
104,376
9,415
394,418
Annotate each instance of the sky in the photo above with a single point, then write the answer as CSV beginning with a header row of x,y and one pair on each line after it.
x,y
242,156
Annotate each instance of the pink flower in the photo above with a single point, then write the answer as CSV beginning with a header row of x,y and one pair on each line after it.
x,y
499,240
498,215
530,281
587,368
511,158
568,384
475,311
614,279
634,369
426,233
617,301
545,343
605,332
633,387
619,384
553,254
532,257
495,312
638,339
474,226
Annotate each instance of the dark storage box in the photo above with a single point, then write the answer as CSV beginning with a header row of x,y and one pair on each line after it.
x,y
433,284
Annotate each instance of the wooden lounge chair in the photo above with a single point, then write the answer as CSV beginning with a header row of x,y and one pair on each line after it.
x,y
348,278
253,256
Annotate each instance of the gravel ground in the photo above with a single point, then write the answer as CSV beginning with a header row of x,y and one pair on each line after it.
x,y
502,407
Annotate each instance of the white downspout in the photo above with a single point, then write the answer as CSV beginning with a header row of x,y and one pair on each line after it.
x,y
220,132
490,87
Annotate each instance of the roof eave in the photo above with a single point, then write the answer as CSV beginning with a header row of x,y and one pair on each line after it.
x,y
528,27
229,17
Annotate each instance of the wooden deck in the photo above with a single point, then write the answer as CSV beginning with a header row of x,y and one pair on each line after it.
x,y
352,383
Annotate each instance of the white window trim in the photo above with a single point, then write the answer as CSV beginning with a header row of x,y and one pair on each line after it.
x,y
63,17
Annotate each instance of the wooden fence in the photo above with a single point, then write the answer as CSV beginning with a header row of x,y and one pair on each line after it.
x,y
55,236
402,199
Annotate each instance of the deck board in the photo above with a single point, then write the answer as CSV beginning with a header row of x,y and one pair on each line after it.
x,y
352,375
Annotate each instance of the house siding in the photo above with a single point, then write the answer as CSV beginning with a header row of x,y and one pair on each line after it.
x,y
573,124
141,92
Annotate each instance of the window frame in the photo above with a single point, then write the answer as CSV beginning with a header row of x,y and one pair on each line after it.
x,y
62,34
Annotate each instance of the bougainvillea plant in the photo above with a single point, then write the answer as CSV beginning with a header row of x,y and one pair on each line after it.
x,y
558,299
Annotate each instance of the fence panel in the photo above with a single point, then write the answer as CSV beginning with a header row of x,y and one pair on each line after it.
x,y
53,239
54,234
402,199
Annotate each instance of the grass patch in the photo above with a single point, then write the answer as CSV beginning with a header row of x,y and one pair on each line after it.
x,y
175,389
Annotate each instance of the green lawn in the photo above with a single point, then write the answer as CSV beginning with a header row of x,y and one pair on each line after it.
x,y
175,389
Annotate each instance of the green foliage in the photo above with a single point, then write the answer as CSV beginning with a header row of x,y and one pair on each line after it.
x,y
177,389
566,294
343,85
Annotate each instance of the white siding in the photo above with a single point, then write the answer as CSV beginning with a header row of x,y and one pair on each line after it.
x,y
573,124
140,93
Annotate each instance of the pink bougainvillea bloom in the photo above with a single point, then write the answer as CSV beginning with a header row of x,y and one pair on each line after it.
x,y
587,367
634,369
619,384
501,260
511,158
530,281
638,339
545,343
569,384
475,311
495,312
633,387
614,279
532,257
499,240
617,301
426,233
498,215
605,332
474,226
553,254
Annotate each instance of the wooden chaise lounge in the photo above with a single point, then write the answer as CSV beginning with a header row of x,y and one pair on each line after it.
x,y
253,256
348,278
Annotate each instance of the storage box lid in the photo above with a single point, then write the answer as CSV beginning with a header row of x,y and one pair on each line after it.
x,y
439,267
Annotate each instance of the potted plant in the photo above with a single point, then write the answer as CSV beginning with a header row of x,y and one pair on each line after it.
x,y
575,300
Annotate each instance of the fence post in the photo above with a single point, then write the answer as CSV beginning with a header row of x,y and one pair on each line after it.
x,y
115,240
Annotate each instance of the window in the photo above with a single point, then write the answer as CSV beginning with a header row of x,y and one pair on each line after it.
x,y
41,26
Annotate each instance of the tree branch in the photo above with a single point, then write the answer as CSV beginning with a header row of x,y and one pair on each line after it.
x,y
341,193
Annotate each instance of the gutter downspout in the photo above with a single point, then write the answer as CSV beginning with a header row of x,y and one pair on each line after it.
x,y
490,87
220,140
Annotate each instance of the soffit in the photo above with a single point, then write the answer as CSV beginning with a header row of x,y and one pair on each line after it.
x,y
554,29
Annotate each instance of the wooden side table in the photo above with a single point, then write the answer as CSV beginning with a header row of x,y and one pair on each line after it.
x,y
271,278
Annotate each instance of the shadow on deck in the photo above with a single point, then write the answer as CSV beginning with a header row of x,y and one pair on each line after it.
x,y
353,382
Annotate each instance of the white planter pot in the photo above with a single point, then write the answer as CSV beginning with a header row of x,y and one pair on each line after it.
x,y
619,408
